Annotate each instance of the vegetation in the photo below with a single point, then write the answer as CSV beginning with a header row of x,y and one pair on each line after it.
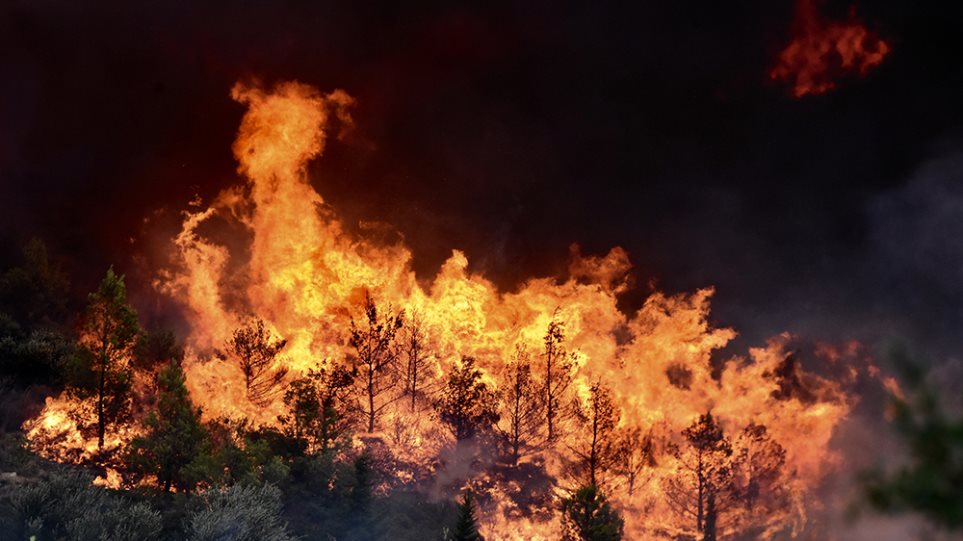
x,y
588,516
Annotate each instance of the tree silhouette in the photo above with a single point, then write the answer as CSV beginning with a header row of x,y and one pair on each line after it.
x,y
376,358
597,449
467,405
255,349
417,355
317,417
636,452
557,376
174,437
108,332
466,525
758,469
520,406
704,474
587,516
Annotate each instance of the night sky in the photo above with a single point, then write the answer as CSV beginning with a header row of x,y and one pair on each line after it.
x,y
513,130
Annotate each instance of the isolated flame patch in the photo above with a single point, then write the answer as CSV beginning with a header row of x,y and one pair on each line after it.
x,y
821,52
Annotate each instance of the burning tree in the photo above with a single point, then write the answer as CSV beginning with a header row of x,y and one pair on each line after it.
x,y
414,342
108,333
557,377
317,416
597,449
175,436
255,348
377,357
520,401
467,405
588,516
636,453
758,467
703,480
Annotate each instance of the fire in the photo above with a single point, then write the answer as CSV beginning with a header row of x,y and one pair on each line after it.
x,y
297,268
821,51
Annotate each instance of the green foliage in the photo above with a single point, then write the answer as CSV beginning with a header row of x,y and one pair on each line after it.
x,y
361,490
175,438
931,482
240,513
240,455
109,331
156,347
467,406
66,507
317,419
35,294
587,516
466,525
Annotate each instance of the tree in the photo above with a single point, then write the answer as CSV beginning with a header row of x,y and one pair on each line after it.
x,y
256,349
317,416
704,474
108,332
376,358
520,406
598,448
155,348
35,293
414,342
466,525
932,432
175,436
636,453
557,377
467,405
588,516
361,489
758,465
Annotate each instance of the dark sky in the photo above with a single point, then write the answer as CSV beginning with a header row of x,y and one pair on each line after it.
x,y
514,129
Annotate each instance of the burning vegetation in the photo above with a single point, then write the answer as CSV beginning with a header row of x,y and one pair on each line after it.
x,y
318,354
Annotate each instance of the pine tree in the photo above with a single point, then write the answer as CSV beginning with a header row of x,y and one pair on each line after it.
x,y
597,450
255,349
587,516
467,406
520,406
376,358
175,436
418,355
361,490
466,525
557,378
704,473
317,417
109,332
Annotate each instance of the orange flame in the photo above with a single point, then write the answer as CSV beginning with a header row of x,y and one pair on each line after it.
x,y
822,51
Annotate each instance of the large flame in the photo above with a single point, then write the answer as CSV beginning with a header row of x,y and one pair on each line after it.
x,y
272,248
821,51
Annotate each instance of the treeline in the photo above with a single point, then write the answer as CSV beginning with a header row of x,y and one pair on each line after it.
x,y
324,469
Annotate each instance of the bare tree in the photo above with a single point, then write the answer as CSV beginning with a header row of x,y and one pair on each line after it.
x,y
376,359
417,355
597,449
256,350
521,406
557,377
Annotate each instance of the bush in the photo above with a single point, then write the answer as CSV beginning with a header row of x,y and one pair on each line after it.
x,y
240,513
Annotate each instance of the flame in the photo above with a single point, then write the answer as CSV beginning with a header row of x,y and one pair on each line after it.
x,y
272,248
821,51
